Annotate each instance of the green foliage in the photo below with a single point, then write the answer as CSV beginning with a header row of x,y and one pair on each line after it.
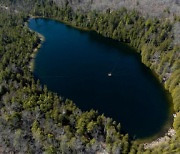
x,y
38,120
177,124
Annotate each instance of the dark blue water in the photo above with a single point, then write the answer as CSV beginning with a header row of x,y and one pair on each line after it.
x,y
75,64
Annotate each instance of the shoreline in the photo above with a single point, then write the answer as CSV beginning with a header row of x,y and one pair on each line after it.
x,y
61,21
145,141
35,50
33,56
168,125
170,134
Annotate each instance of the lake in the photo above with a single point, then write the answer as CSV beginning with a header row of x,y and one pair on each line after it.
x,y
101,74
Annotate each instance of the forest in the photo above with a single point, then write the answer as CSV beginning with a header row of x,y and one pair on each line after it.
x,y
35,120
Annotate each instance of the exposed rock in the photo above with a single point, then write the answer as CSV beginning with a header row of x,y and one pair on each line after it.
x,y
171,132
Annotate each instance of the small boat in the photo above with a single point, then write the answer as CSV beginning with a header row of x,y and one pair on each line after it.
x,y
109,74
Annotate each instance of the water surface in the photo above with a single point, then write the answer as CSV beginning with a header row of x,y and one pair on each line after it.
x,y
75,64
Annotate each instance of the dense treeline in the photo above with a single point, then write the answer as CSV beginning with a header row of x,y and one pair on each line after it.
x,y
34,120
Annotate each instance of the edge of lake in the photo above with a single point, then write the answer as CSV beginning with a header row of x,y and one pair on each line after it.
x,y
147,140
